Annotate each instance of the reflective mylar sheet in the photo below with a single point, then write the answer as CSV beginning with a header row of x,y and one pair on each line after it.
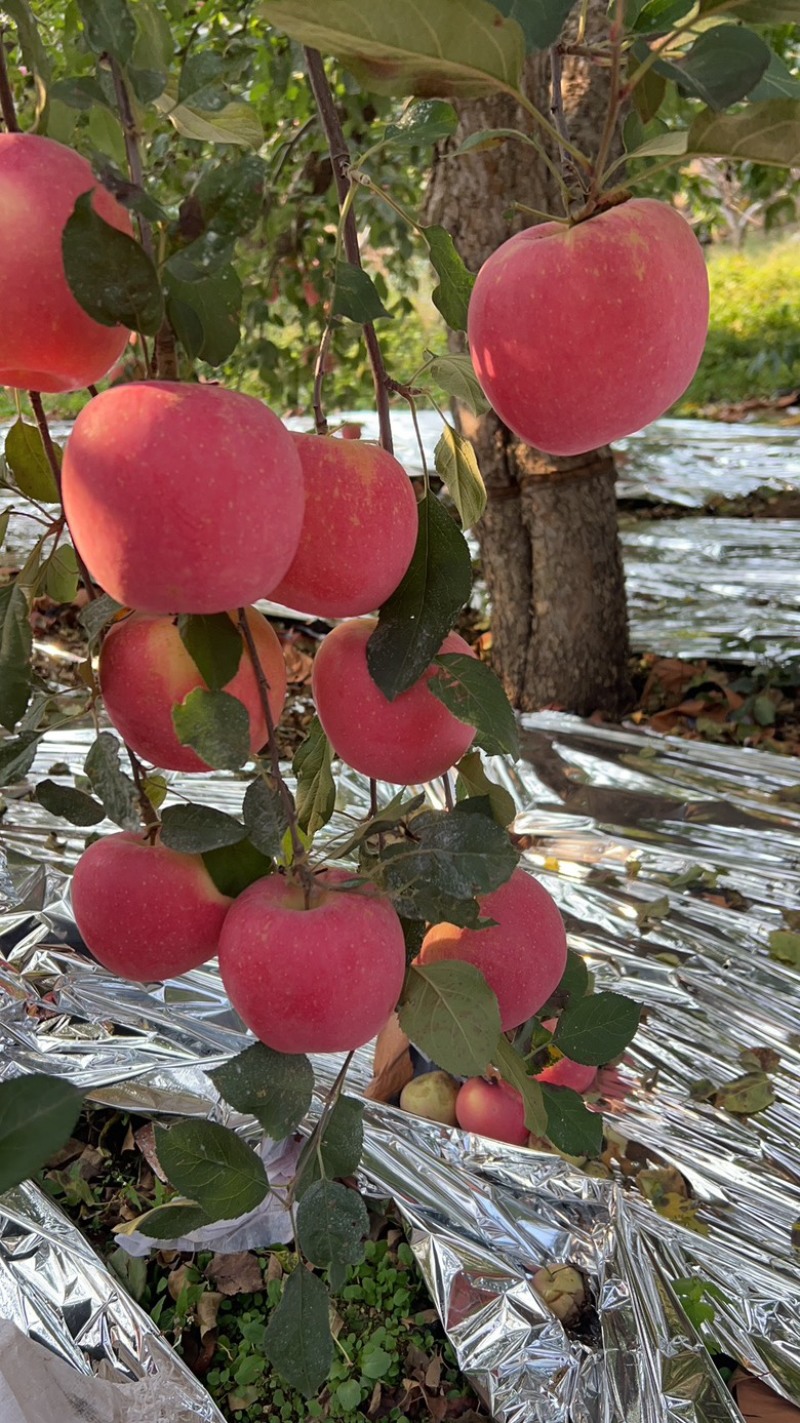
x,y
672,863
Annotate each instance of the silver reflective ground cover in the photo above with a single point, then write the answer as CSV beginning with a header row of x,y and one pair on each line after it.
x,y
615,822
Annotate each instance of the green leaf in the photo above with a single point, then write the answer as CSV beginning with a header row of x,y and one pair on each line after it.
x,y
648,96
265,817
16,645
109,27
451,858
80,92
759,12
231,195
215,645
4,520
429,48
216,726
777,82
98,614
316,790
154,43
575,984
116,790
452,293
473,781
571,1127
29,466
332,1221
424,124
17,756
199,260
37,1115
201,80
597,1028
722,66
205,315
656,16
74,805
338,1151
213,1166
108,273
414,622
457,466
274,1087
765,133
298,1341
512,1067
752,1092
785,947
233,868
236,122
194,829
672,144
61,574
34,54
541,21
450,1013
169,1222
355,295
456,375
472,692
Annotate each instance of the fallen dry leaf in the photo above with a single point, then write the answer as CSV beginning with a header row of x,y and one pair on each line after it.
x,y
145,1139
207,1310
759,1404
392,1067
238,1274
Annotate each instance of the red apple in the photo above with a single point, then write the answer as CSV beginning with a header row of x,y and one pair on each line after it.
x,y
359,529
565,1072
47,341
145,671
492,1109
144,911
182,498
412,739
582,334
522,957
322,978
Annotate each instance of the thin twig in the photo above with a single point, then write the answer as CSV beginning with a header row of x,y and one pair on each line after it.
x,y
312,1144
6,93
340,161
568,166
448,791
320,420
615,98
52,460
150,815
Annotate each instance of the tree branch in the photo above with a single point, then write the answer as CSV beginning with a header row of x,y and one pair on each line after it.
x,y
6,93
52,459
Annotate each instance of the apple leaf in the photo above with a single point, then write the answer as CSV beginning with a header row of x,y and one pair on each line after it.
x,y
297,1341
456,375
37,1115
108,27
274,1087
473,781
73,805
338,1151
98,614
472,692
216,726
452,293
421,124
110,784
415,620
316,788
168,1222
109,274
332,1221
450,1013
355,295
784,945
17,756
214,644
265,816
16,644
597,1028
61,574
213,1166
455,462
575,984
722,66
512,1068
646,17
205,314
450,858
541,21
28,463
194,829
752,1092
764,133
571,1127
233,868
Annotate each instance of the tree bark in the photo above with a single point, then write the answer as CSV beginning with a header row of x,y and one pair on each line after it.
x,y
549,540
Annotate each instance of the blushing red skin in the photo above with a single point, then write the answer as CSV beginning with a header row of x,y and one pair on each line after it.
x,y
145,671
492,1109
47,341
583,335
144,911
359,529
565,1072
323,979
522,957
407,741
182,498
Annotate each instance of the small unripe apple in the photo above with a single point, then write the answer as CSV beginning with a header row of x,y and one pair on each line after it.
x,y
492,1109
144,911
433,1096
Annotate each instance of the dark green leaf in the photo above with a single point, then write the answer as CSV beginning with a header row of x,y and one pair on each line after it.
x,y
98,614
332,1221
216,726
721,67
109,27
656,16
541,21
274,1087
4,520
316,789
298,1341
147,84
472,692
231,195
784,946
17,757
456,856
648,96
597,1028
457,466
37,1115
452,293
414,622
108,273
206,257
194,829
234,868
33,51
456,375
778,82
116,790
355,295
473,781
512,1067
61,574
172,1221
765,133
74,805
571,1127
154,43
201,82
214,644
265,817
16,643
752,1092
759,12
574,985
79,92
339,1149
424,123
205,315
450,1013
213,1166
28,463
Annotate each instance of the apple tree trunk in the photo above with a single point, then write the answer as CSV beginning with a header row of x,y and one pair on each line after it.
x,y
549,540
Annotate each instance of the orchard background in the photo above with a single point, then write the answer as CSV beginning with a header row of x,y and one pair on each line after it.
x,y
302,198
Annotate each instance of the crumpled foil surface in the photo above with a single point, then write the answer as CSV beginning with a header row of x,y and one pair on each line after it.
x,y
672,863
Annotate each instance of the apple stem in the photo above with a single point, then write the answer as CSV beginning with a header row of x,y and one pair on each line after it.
x,y
150,816
6,93
340,162
320,421
52,459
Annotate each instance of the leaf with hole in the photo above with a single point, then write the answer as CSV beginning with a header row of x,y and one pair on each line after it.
x,y
213,1166
274,1087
